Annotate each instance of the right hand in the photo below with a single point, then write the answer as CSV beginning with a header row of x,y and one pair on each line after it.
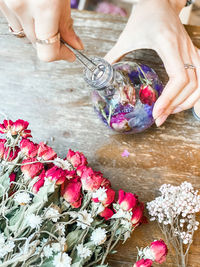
x,y
43,19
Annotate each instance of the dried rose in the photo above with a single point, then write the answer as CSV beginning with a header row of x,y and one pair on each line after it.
x,y
110,197
106,213
19,126
29,169
137,214
56,174
26,133
119,123
28,148
6,126
46,152
71,192
147,95
39,183
143,263
12,177
2,147
76,158
127,201
159,250
92,180
127,95
11,153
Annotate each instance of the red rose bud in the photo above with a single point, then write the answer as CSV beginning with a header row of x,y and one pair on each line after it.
x,y
32,169
159,250
11,154
80,170
143,263
109,199
39,183
137,214
12,177
71,192
106,214
147,94
2,147
3,129
46,152
127,201
28,148
19,126
70,174
76,158
56,174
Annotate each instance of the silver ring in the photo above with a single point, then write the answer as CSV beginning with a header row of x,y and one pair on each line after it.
x,y
49,41
19,34
189,66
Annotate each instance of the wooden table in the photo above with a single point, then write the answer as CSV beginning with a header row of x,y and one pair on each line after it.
x,y
55,100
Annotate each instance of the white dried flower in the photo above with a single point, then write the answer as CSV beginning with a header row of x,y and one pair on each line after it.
x,y
63,164
6,245
61,228
84,219
83,251
22,198
100,194
98,236
34,221
51,213
62,260
48,251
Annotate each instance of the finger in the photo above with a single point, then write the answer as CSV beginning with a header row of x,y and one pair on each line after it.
x,y
194,97
178,77
66,27
10,16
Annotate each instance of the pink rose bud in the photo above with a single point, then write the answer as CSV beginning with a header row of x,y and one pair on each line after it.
x,y
32,169
39,183
76,158
56,174
91,181
159,250
11,154
137,214
26,133
147,94
143,263
106,213
3,129
2,147
46,152
28,148
19,126
109,199
127,201
71,192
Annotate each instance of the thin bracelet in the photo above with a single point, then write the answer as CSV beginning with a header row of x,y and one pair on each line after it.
x,y
189,2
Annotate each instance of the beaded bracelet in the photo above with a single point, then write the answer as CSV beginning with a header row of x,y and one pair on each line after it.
x,y
189,2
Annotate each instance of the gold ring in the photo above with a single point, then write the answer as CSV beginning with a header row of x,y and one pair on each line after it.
x,y
19,34
189,66
49,41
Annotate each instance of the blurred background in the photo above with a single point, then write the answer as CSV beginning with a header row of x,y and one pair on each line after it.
x,y
190,15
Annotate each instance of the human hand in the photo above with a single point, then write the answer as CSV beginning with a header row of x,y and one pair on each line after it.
x,y
155,24
43,19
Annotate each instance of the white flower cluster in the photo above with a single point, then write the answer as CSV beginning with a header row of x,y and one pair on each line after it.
x,y
146,253
62,260
100,194
64,164
34,221
84,219
51,213
6,246
177,205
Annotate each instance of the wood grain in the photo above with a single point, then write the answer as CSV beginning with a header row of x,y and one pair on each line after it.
x,y
55,100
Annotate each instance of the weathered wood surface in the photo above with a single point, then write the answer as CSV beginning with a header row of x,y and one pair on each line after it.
x,y
55,100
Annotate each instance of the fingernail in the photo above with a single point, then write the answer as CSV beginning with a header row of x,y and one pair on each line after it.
x,y
177,110
80,42
158,112
159,121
